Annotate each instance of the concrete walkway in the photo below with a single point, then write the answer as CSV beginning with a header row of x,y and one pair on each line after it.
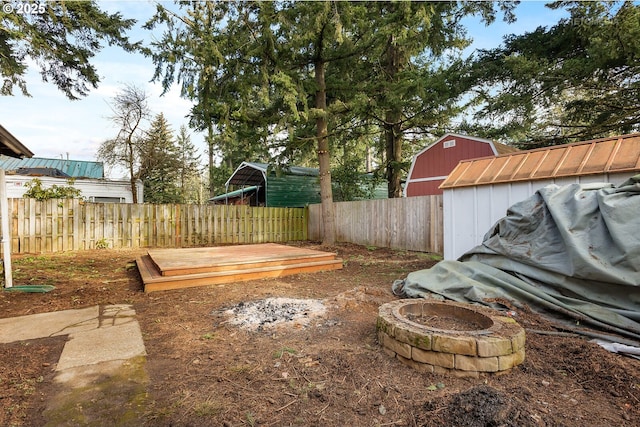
x,y
101,373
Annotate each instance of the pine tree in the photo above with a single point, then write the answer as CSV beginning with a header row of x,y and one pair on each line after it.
x,y
160,163
190,174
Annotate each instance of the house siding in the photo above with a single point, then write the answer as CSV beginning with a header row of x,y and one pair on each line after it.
x,y
424,187
292,190
91,189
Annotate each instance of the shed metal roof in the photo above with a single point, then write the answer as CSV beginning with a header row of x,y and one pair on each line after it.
x,y
73,168
606,155
249,173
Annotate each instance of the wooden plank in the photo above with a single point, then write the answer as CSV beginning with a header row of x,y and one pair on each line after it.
x,y
153,281
174,262
401,223
242,265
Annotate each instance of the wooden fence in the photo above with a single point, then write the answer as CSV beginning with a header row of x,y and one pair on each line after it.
x,y
66,225
411,223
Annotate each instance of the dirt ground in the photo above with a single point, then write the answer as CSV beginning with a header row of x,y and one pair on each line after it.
x,y
332,372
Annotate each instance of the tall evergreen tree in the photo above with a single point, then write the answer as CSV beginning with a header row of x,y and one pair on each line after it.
x,y
269,65
160,163
207,49
190,176
410,81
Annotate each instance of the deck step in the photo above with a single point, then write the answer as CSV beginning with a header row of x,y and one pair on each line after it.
x,y
238,265
154,280
178,262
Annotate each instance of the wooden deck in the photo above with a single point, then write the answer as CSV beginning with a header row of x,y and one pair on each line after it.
x,y
163,269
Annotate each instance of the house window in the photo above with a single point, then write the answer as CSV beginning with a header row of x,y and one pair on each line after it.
x,y
107,199
449,144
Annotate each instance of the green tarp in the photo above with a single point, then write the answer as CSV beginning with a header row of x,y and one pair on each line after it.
x,y
572,252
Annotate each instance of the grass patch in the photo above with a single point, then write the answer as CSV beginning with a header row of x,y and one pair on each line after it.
x,y
279,353
207,409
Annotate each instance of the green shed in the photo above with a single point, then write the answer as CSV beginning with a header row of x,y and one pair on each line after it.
x,y
287,187
260,184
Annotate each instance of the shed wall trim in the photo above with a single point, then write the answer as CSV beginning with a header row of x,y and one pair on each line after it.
x,y
431,178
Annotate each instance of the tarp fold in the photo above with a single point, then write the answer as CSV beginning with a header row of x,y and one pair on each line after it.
x,y
570,251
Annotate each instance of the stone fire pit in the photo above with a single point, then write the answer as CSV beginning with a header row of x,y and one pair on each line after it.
x,y
449,337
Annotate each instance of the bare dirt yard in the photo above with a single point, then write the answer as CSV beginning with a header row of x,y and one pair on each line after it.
x,y
206,371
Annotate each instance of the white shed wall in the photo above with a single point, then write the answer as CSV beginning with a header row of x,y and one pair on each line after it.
x,y
92,189
470,212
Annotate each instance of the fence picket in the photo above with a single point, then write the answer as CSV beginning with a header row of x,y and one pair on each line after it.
x,y
411,223
63,225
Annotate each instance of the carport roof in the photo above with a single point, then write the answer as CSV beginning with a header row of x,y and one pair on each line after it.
x,y
606,155
249,173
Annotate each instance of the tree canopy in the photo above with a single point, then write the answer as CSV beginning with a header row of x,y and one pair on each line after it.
x,y
576,80
61,38
289,80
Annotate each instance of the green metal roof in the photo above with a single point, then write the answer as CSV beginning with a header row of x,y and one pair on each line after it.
x,y
250,173
73,168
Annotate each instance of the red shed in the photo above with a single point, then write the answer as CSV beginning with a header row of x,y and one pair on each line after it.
x,y
431,166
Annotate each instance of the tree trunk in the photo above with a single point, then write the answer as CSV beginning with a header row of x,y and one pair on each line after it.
x,y
326,192
134,192
210,153
392,126
393,151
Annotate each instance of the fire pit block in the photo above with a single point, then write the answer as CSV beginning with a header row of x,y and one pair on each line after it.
x,y
449,337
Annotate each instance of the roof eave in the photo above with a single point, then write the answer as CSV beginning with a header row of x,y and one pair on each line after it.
x,y
10,146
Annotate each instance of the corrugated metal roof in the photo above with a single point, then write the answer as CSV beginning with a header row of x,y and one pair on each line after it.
x,y
73,168
607,155
249,173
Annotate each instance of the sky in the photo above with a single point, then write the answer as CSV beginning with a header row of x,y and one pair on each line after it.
x,y
52,126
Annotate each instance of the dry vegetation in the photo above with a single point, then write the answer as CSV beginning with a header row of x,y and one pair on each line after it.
x,y
205,372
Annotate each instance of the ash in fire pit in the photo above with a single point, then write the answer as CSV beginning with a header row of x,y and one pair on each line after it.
x,y
271,312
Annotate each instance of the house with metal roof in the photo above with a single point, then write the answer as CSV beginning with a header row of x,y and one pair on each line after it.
x,y
46,167
478,192
88,177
